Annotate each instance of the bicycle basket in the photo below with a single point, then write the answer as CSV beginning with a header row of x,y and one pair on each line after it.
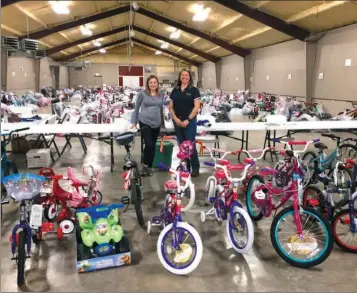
x,y
23,186
124,139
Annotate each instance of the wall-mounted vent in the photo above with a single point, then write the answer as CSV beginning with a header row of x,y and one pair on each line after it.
x,y
29,45
10,43
40,54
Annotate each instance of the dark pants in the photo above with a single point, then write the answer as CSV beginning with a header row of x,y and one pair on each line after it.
x,y
150,136
189,133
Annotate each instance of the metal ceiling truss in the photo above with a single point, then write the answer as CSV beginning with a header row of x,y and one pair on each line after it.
x,y
266,19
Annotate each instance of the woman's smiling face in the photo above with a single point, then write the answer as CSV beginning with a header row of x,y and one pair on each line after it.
x,y
153,84
185,77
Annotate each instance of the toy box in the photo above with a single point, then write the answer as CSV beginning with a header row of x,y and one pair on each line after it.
x,y
101,242
38,158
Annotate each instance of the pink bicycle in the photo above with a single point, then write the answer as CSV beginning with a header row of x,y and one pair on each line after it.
x,y
300,235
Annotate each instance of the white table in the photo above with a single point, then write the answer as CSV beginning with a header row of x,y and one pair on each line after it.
x,y
122,126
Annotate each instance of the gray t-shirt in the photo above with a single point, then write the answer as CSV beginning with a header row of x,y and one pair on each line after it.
x,y
151,112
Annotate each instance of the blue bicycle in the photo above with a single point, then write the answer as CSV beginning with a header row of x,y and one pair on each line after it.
x,y
23,188
7,166
322,166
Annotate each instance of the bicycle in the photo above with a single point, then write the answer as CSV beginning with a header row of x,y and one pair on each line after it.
x,y
186,256
319,164
23,188
301,249
325,204
227,208
131,176
185,152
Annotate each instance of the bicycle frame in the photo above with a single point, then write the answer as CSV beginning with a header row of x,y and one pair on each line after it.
x,y
23,224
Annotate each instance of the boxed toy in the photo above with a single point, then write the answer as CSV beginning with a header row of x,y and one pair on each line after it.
x,y
101,242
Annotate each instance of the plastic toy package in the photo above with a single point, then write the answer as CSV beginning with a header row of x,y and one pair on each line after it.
x,y
101,242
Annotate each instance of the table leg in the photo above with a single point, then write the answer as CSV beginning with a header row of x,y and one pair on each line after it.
x,y
111,153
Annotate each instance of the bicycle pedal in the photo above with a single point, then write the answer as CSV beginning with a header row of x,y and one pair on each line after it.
x,y
125,200
156,220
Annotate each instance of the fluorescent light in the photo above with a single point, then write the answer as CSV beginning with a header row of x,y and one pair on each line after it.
x,y
158,52
102,51
97,44
202,14
59,7
160,41
164,45
85,30
175,35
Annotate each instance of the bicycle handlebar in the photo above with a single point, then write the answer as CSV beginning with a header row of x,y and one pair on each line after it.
x,y
226,168
263,151
301,142
7,141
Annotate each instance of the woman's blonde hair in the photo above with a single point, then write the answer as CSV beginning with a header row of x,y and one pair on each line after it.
x,y
147,88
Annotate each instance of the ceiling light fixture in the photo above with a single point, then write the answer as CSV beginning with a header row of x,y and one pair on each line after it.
x,y
85,30
96,43
132,33
135,6
201,13
164,45
102,51
175,34
59,7
158,52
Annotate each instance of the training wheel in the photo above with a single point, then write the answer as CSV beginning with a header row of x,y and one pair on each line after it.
x,y
149,227
203,217
67,226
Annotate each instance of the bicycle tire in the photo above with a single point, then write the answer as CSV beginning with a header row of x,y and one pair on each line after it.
x,y
315,167
290,259
8,166
136,199
345,200
248,194
338,241
352,150
21,258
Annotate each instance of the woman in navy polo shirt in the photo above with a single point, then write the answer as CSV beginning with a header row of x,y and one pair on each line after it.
x,y
184,106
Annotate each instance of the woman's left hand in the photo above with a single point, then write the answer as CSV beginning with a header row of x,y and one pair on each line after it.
x,y
185,123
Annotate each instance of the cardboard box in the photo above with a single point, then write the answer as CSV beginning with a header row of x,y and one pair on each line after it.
x,y
102,221
103,262
38,158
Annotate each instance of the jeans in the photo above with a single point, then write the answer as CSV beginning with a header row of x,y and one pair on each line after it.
x,y
150,136
189,133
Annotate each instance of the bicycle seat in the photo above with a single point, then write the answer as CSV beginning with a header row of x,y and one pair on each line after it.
x,y
320,145
224,162
75,181
124,138
236,167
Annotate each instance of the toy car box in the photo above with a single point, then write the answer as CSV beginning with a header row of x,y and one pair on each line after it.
x,y
101,242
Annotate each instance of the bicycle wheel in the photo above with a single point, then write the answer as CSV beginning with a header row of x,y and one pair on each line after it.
x,y
136,199
254,210
310,160
344,175
316,244
21,258
314,198
185,260
348,151
346,239
240,230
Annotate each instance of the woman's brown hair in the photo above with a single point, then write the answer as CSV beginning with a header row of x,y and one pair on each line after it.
x,y
147,88
179,77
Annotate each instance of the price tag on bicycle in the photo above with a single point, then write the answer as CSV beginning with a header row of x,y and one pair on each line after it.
x,y
36,215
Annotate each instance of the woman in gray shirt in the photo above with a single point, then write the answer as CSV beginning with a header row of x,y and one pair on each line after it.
x,y
150,119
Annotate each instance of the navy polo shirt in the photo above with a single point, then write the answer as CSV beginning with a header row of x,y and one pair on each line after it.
x,y
184,100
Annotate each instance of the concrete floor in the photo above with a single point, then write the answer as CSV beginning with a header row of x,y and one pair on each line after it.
x,y
53,263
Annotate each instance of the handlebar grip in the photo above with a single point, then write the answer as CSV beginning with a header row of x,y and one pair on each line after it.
x,y
168,137
316,140
276,140
163,166
211,164
297,142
